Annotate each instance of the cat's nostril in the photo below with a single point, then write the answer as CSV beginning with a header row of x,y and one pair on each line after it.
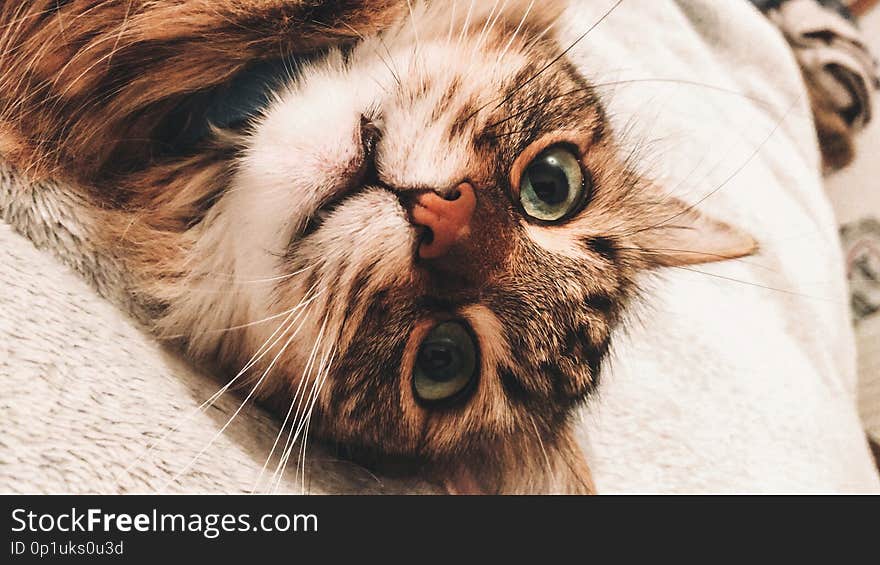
x,y
452,195
445,219
427,236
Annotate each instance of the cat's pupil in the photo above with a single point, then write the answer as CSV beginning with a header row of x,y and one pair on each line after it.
x,y
549,181
441,359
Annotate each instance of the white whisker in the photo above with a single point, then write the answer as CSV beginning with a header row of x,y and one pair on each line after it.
x,y
213,398
241,326
516,31
451,22
495,20
541,444
233,278
300,386
305,437
535,40
244,402
467,23
418,58
292,436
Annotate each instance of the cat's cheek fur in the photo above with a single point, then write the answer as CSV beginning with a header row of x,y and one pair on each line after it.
x,y
345,268
289,164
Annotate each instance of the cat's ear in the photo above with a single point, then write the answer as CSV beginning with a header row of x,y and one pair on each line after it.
x,y
554,468
680,235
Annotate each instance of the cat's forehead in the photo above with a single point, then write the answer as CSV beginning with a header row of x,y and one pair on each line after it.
x,y
458,98
448,95
430,119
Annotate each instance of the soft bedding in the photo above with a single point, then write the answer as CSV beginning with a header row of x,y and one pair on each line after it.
x,y
732,377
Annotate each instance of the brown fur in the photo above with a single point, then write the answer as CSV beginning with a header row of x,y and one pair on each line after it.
x,y
835,135
135,60
875,450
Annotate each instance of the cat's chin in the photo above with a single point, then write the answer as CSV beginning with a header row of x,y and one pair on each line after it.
x,y
559,469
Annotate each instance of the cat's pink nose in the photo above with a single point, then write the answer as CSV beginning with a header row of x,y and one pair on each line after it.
x,y
447,217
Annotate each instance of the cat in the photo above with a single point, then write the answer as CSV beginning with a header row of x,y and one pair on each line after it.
x,y
407,225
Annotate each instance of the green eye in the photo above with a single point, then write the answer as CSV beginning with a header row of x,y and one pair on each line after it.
x,y
552,186
446,363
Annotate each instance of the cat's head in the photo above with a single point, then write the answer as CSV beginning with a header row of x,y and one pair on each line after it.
x,y
412,219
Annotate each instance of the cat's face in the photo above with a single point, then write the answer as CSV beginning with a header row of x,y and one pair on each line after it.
x,y
433,224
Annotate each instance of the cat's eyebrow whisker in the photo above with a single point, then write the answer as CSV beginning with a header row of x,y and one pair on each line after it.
x,y
261,352
412,19
552,62
535,40
466,23
385,62
419,55
538,105
395,70
687,82
484,33
633,156
476,46
381,86
622,82
516,32
235,414
451,22
560,56
490,24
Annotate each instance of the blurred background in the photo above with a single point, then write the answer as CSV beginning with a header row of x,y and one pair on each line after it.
x,y
855,194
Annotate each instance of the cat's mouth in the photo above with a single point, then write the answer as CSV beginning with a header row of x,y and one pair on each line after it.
x,y
317,220
423,234
361,174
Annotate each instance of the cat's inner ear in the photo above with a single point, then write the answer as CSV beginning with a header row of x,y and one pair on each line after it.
x,y
680,235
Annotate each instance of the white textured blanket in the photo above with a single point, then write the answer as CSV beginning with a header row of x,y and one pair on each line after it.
x,y
717,385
